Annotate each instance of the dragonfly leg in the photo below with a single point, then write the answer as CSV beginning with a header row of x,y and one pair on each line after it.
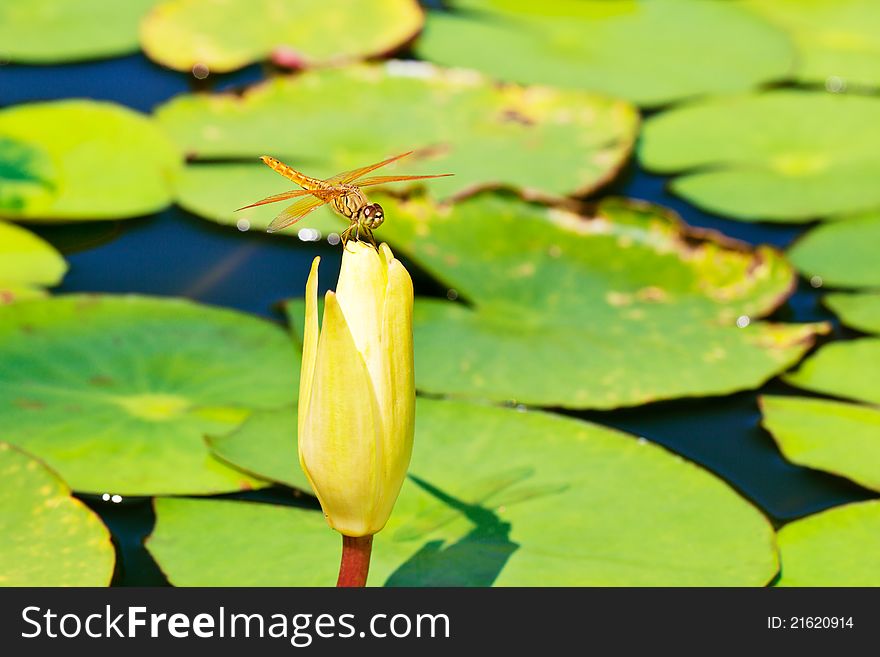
x,y
372,240
346,235
367,233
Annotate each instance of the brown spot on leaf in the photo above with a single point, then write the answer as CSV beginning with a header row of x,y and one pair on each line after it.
x,y
101,380
29,404
652,293
514,116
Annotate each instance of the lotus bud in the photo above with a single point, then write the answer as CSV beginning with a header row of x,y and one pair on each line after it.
x,y
357,389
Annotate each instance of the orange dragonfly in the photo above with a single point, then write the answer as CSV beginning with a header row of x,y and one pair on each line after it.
x,y
342,192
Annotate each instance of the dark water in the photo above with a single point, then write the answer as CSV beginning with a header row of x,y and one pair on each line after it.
x,y
174,253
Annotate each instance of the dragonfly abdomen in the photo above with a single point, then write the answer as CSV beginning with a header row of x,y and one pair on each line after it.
x,y
304,181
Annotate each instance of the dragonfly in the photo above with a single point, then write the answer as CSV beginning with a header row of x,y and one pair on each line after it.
x,y
342,192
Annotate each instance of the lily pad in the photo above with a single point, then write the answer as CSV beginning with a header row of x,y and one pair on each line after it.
x,y
295,33
262,446
782,155
836,40
838,437
838,547
842,253
117,393
859,310
495,496
618,309
55,31
49,538
27,264
651,52
843,369
82,160
540,141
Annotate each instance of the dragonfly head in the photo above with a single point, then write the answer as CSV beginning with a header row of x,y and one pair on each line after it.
x,y
372,215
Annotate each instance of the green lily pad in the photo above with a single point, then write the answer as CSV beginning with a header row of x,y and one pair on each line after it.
x,y
296,33
652,52
261,446
783,155
117,393
55,31
541,141
843,369
82,159
842,253
838,437
495,496
626,307
859,310
27,264
838,547
49,538
835,39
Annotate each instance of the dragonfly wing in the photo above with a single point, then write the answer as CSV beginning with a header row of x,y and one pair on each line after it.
x,y
381,180
324,195
349,176
294,213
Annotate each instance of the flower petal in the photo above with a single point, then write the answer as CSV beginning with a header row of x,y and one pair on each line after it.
x,y
397,343
310,343
361,293
341,439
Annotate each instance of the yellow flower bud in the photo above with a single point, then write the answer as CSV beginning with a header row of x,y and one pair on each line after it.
x,y
357,389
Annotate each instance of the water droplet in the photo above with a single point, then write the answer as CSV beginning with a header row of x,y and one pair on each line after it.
x,y
816,281
309,235
743,320
642,440
835,84
200,71
106,497
116,499
521,408
243,225
452,294
333,238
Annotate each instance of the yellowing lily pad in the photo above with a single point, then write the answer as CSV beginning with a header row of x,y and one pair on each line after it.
x,y
82,160
651,52
538,140
231,34
858,310
55,31
842,253
838,547
495,496
27,264
49,538
781,155
617,309
836,40
843,369
117,394
838,437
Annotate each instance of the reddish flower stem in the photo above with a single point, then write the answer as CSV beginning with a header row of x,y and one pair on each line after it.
x,y
355,561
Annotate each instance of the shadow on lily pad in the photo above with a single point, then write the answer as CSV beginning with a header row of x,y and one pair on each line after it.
x,y
475,560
